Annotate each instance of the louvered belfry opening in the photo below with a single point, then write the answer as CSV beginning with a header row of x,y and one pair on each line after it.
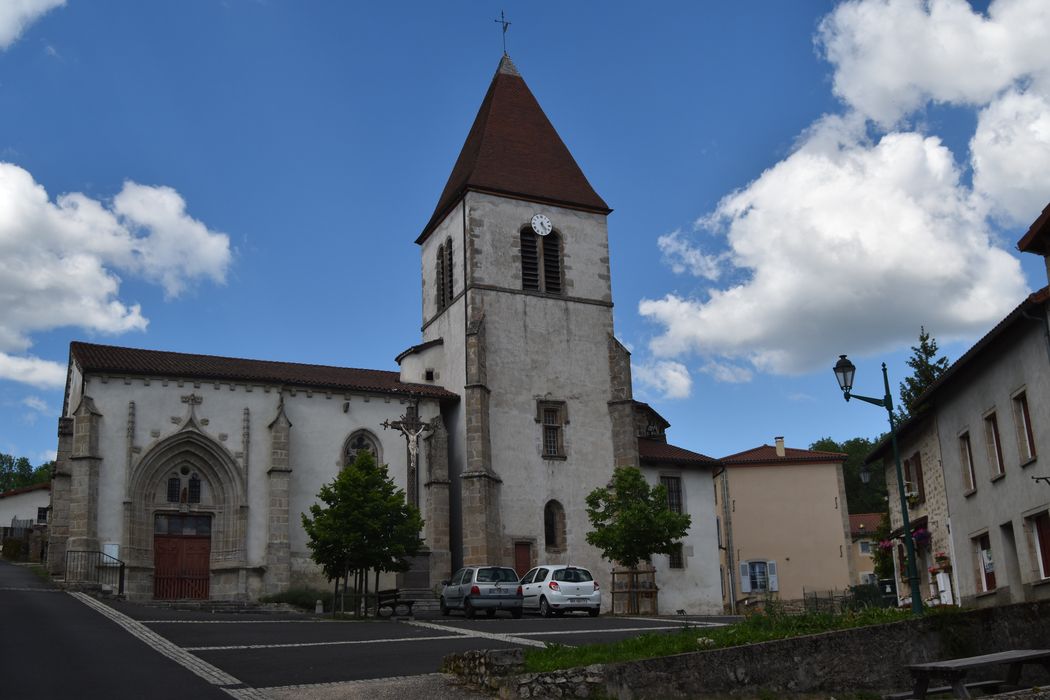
x,y
530,261
552,263
439,274
448,271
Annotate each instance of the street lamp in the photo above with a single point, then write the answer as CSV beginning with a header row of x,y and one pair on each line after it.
x,y
844,371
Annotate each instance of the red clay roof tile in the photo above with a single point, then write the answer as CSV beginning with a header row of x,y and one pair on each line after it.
x,y
652,451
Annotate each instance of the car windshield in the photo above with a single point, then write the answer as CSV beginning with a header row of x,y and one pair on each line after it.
x,y
573,575
497,575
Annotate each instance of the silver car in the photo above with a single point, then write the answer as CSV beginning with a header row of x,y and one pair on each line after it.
x,y
555,588
488,588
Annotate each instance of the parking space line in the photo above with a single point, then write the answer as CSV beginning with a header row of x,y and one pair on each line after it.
x,y
226,622
344,642
510,639
212,674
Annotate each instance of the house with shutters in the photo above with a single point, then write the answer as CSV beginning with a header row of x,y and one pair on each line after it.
x,y
517,403
783,527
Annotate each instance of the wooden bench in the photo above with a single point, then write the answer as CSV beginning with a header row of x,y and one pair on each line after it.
x,y
988,686
954,670
391,598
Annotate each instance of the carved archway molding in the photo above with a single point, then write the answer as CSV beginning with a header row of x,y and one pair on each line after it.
x,y
227,506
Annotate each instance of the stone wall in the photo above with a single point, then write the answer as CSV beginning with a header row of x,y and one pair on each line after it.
x,y
869,659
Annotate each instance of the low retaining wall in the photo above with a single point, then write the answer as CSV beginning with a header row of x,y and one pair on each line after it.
x,y
865,659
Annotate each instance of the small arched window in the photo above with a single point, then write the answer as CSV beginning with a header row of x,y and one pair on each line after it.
x,y
541,268
360,441
439,278
554,525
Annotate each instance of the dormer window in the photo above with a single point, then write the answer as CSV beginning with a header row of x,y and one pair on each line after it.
x,y
541,262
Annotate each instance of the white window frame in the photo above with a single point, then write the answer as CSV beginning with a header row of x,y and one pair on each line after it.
x,y
771,579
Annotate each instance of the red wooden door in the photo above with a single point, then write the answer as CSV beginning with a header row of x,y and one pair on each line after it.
x,y
181,566
522,557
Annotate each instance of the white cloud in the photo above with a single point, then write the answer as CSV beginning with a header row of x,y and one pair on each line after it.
x,y
727,373
670,378
892,57
32,370
35,403
59,262
845,245
48,456
17,15
1011,155
682,256
867,231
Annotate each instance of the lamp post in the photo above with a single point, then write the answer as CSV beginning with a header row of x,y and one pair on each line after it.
x,y
844,371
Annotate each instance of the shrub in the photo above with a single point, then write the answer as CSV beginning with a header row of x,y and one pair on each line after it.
x,y
13,549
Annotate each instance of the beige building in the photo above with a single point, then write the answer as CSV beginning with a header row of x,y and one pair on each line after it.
x,y
862,527
783,525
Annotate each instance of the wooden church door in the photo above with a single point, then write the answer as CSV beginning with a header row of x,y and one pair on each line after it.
x,y
181,556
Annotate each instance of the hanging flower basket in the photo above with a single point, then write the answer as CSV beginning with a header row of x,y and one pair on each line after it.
x,y
941,558
920,536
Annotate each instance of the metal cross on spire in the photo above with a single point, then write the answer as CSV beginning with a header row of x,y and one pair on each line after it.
x,y
503,20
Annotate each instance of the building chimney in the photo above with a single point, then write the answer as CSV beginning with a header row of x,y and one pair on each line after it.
x,y
780,445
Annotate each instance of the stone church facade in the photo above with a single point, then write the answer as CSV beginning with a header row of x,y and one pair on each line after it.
x,y
519,393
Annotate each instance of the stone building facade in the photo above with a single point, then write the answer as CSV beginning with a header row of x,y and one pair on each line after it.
x,y
522,387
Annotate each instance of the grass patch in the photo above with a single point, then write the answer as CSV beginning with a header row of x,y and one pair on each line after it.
x,y
758,627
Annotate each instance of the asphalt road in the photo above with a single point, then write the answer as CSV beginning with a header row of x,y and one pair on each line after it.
x,y
118,649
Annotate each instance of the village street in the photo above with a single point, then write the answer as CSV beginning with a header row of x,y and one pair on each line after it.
x,y
115,649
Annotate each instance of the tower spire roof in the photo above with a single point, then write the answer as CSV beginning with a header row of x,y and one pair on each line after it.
x,y
513,149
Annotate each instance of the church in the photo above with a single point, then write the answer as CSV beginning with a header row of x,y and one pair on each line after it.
x,y
193,470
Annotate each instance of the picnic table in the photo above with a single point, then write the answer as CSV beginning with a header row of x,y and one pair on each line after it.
x,y
954,670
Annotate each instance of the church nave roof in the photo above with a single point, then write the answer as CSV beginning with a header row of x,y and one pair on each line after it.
x,y
158,363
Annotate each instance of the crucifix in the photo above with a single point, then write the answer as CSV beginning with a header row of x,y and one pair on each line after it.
x,y
503,20
411,427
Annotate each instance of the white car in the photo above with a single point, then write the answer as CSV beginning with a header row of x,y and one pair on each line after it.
x,y
553,589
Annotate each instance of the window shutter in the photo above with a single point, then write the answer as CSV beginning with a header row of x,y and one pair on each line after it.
x,y
745,577
552,263
919,485
771,572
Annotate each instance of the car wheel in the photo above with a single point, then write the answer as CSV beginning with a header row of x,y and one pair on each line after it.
x,y
444,608
516,612
468,609
593,612
490,613
545,608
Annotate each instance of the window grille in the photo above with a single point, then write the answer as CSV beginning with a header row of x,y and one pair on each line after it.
x,y
174,485
552,418
448,272
195,489
439,278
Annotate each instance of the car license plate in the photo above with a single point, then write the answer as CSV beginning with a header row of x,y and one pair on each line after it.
x,y
577,600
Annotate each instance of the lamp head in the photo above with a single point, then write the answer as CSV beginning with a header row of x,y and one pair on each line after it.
x,y
865,474
844,371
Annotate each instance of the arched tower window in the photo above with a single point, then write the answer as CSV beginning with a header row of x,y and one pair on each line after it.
x,y
362,440
541,268
554,526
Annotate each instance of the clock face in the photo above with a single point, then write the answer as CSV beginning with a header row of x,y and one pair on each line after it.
x,y
541,224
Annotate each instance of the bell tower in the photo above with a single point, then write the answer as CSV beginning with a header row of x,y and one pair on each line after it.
x,y
517,319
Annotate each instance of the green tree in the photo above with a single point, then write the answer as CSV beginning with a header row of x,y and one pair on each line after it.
x,y
362,524
860,497
882,553
18,472
631,519
926,368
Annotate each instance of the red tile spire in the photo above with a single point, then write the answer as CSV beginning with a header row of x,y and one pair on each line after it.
x,y
512,149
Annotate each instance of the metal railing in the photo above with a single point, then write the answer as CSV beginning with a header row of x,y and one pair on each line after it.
x,y
95,567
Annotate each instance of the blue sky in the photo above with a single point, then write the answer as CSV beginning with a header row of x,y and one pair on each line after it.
x,y
790,181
